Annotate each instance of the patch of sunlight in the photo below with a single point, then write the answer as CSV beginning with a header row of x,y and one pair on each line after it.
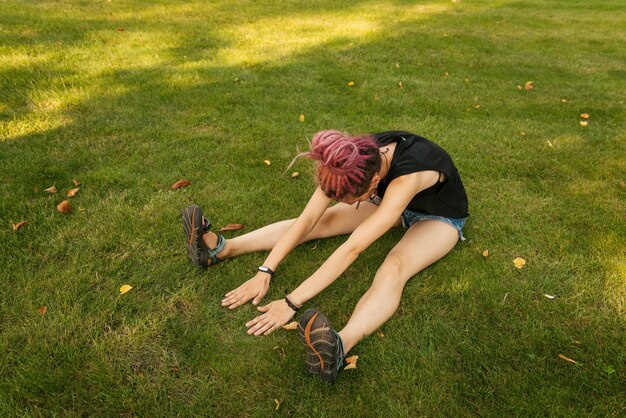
x,y
32,123
18,59
272,40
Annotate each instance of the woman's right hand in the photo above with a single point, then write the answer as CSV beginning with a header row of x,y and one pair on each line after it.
x,y
255,288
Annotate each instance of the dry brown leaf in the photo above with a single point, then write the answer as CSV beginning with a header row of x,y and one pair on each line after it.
x,y
584,115
584,123
529,85
42,311
486,253
350,366
73,192
180,183
291,326
267,162
64,207
120,29
567,359
352,359
76,183
51,190
295,174
231,227
20,224
301,118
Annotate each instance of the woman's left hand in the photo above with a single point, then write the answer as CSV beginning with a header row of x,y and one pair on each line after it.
x,y
276,314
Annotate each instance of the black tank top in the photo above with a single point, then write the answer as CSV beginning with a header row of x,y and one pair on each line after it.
x,y
414,153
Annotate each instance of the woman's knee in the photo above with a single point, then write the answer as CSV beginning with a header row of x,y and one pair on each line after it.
x,y
390,272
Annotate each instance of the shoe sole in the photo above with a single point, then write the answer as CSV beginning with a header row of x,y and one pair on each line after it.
x,y
192,225
320,343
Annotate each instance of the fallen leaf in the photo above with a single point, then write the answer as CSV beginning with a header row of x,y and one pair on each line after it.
x,y
291,326
397,65
529,85
350,366
175,369
477,106
519,262
584,115
445,74
548,296
277,404
486,253
550,144
352,359
401,85
125,288
567,359
350,83
73,192
466,80
301,118
42,311
20,224
64,207
584,123
76,183
563,100
381,334
295,174
180,183
519,87
51,190
120,29
522,133
267,162
231,227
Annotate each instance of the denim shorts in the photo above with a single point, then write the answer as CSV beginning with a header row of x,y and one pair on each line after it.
x,y
409,218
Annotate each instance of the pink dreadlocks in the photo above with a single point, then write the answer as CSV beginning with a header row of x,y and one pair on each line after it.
x,y
346,164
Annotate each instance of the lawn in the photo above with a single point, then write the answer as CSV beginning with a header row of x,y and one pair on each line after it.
x,y
127,97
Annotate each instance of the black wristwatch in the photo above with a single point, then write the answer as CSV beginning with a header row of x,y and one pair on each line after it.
x,y
267,270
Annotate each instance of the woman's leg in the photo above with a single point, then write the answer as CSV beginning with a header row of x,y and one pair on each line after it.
x,y
424,243
337,220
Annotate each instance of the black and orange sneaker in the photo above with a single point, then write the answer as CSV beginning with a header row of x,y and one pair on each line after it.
x,y
195,225
324,348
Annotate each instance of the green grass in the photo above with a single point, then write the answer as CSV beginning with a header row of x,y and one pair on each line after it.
x,y
206,92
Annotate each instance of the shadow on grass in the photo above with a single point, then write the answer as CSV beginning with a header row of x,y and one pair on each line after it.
x,y
138,128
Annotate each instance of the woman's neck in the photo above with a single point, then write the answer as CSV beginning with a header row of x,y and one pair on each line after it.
x,y
386,155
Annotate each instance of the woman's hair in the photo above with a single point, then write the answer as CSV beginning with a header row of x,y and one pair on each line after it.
x,y
346,164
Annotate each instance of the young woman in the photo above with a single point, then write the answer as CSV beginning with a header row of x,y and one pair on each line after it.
x,y
380,181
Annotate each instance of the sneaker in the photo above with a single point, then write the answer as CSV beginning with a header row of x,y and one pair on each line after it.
x,y
324,348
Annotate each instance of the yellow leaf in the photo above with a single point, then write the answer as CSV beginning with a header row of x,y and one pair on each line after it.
x,y
125,288
400,84
486,253
51,190
350,83
561,356
550,144
295,174
73,192
529,85
381,334
563,100
291,326
519,87
583,123
519,262
350,366
397,65
277,404
267,162
584,115
76,183
301,118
